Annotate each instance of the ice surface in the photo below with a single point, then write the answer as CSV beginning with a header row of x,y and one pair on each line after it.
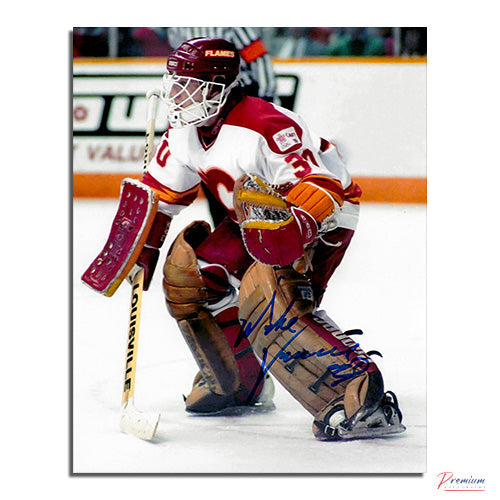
x,y
379,288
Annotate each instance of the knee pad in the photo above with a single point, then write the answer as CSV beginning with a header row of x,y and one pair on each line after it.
x,y
187,296
316,362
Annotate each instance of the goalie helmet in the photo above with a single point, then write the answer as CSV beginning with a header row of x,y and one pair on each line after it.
x,y
200,75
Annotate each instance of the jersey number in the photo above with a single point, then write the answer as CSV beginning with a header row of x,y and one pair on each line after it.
x,y
301,162
163,154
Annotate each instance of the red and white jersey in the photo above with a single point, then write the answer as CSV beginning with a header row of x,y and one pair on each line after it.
x,y
257,137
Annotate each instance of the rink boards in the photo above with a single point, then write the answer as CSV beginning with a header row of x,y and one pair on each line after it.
x,y
373,109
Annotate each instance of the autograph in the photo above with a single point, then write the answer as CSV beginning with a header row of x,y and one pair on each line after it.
x,y
341,372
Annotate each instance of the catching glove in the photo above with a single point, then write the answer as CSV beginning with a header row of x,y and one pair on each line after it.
x,y
274,232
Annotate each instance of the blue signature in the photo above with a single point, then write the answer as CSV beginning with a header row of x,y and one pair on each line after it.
x,y
340,372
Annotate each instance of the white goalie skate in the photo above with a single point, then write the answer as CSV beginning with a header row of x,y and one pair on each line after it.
x,y
367,423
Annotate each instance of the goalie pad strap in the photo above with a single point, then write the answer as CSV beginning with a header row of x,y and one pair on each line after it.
x,y
316,365
186,295
130,228
212,353
158,233
183,285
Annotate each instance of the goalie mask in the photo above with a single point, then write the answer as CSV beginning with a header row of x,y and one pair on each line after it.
x,y
200,75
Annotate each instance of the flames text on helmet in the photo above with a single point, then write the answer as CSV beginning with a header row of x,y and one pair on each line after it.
x,y
200,75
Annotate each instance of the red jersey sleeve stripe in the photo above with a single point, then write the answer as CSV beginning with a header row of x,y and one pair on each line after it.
x,y
324,145
353,193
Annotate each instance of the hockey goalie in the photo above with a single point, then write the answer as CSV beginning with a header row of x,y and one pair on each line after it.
x,y
246,295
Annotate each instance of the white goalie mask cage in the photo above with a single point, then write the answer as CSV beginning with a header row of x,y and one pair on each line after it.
x,y
191,101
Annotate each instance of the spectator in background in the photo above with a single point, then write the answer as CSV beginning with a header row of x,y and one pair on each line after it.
x,y
153,42
90,42
388,37
413,42
128,46
318,41
358,42
329,41
375,43
344,42
337,42
293,42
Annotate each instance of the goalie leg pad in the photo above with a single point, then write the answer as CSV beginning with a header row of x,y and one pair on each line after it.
x,y
132,223
186,295
317,365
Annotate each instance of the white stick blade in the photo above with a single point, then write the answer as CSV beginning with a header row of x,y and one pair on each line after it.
x,y
140,424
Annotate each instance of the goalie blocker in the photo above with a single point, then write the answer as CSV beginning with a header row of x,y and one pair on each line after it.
x,y
137,233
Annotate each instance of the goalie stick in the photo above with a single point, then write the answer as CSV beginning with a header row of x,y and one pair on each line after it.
x,y
132,420
152,98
